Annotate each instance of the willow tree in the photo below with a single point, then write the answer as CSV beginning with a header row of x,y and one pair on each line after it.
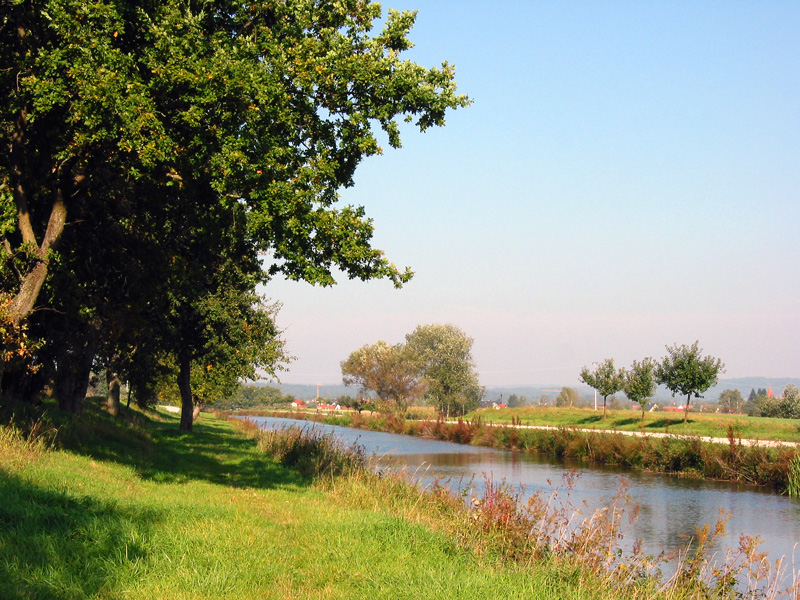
x,y
387,370
118,105
443,354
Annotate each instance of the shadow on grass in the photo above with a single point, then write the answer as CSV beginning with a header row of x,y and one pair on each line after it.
x,y
666,423
624,422
152,445
212,453
60,547
592,419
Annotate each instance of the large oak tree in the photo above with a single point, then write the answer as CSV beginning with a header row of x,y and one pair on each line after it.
x,y
162,114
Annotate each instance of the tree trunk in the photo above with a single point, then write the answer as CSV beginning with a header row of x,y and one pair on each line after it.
x,y
72,376
185,387
604,407
686,408
25,299
112,400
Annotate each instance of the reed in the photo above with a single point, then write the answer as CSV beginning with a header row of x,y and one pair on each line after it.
x,y
793,477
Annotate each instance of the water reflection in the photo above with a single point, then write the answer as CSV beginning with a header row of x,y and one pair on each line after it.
x,y
670,507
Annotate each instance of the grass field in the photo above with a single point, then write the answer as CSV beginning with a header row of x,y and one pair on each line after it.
x,y
143,511
699,424
94,507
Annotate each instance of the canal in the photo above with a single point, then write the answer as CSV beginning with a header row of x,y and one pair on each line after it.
x,y
670,507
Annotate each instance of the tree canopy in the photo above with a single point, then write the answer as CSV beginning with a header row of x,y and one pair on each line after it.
x,y
684,371
640,382
435,363
444,356
163,156
390,371
605,378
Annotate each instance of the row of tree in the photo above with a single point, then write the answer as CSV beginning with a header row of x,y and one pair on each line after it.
x,y
434,366
683,371
761,403
161,160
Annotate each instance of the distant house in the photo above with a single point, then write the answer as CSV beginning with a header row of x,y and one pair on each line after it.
x,y
676,408
329,407
497,406
298,404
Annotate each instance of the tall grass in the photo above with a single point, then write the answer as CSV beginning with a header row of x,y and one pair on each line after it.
x,y
793,477
312,453
550,531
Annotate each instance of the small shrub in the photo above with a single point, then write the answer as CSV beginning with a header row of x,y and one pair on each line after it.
x,y
311,452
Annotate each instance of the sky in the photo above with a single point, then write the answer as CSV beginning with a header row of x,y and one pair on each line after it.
x,y
627,178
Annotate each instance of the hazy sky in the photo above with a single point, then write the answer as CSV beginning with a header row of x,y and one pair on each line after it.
x,y
628,177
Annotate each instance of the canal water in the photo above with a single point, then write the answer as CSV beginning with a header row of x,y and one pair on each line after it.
x,y
670,507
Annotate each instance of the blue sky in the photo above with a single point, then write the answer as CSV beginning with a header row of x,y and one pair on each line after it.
x,y
628,177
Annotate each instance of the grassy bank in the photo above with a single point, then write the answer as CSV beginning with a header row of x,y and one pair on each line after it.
x,y
698,424
132,508
139,510
685,455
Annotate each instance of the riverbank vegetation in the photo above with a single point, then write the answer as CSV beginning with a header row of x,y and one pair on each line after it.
x,y
684,454
131,507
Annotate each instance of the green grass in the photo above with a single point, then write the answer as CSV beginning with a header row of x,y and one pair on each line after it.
x,y
139,510
712,425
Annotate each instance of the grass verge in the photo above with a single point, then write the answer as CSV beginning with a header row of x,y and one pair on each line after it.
x,y
135,509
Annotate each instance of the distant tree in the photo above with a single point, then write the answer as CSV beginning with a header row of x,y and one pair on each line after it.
x,y
790,404
752,395
444,357
786,407
605,379
640,382
515,401
567,397
683,371
357,403
248,396
731,401
390,371
544,400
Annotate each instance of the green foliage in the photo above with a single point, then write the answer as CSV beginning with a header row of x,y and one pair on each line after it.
x,y
196,151
605,379
444,356
434,363
684,371
254,396
731,401
391,372
793,478
567,397
640,382
790,403
785,407
515,401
